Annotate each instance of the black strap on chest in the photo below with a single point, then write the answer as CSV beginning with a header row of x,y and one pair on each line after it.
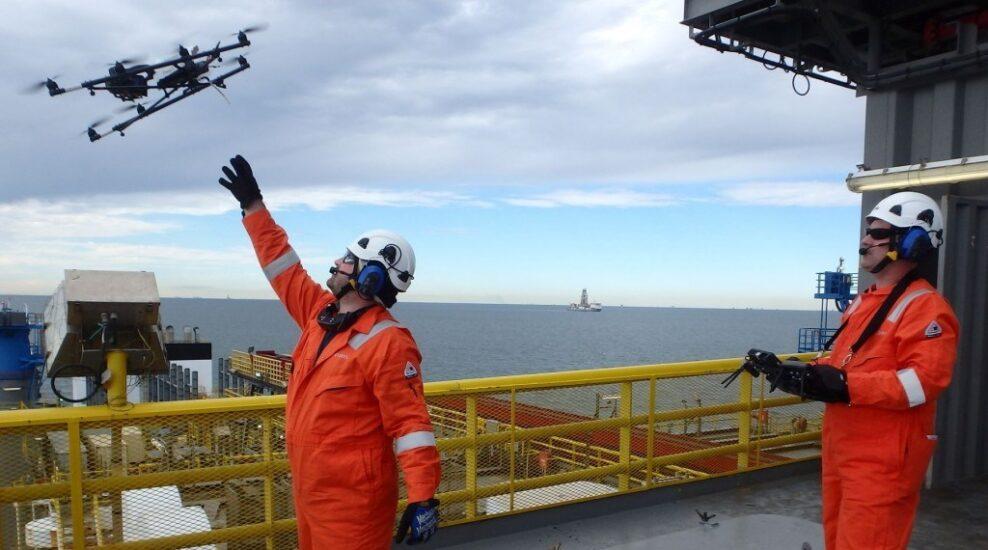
x,y
334,323
879,317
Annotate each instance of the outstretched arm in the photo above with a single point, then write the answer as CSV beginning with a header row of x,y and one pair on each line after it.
x,y
301,295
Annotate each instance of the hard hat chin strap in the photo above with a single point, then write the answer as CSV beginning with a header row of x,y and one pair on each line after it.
x,y
890,256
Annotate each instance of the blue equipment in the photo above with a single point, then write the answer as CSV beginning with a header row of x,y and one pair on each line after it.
x,y
830,285
20,358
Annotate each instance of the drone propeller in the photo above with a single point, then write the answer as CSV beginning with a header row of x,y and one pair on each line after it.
x,y
233,60
128,60
139,107
253,28
38,86
95,124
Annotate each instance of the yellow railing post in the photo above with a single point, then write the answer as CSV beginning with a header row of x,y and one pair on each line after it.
x,y
75,484
268,481
625,436
471,457
650,451
511,453
744,418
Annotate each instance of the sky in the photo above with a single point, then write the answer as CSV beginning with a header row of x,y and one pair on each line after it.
x,y
526,149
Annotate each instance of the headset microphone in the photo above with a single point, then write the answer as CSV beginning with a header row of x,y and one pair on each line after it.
x,y
864,250
334,270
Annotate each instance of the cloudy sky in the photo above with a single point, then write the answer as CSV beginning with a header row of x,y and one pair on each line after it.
x,y
526,149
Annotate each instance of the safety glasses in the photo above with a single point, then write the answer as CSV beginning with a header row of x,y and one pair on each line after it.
x,y
350,258
879,233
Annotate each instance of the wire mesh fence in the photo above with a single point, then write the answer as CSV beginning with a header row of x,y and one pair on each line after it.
x,y
159,476
214,473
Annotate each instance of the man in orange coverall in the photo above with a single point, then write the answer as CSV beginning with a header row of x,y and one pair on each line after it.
x,y
892,356
355,395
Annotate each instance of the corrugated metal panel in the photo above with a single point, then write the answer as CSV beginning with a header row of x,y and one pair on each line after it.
x,y
938,121
962,419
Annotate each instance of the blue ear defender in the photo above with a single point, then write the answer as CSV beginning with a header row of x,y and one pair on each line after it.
x,y
371,279
914,243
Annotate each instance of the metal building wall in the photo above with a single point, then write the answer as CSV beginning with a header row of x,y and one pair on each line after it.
x,y
943,121
962,417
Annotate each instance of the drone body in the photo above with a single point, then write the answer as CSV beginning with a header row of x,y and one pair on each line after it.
x,y
133,83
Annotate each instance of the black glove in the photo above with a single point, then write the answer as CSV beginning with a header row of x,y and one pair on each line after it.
x,y
421,518
240,181
817,382
825,383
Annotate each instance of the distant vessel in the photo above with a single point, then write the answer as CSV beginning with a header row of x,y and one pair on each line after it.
x,y
585,304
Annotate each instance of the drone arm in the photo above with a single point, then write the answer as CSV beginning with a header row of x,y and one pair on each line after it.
x,y
168,63
165,102
157,106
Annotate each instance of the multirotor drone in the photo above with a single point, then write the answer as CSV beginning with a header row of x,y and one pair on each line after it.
x,y
132,83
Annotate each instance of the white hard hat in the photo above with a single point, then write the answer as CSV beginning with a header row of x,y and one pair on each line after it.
x,y
389,249
909,209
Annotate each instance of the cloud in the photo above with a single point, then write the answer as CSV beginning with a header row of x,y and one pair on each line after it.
x,y
34,219
143,213
595,198
325,197
429,94
812,194
66,253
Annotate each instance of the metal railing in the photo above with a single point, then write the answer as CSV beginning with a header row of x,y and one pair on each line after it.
x,y
508,444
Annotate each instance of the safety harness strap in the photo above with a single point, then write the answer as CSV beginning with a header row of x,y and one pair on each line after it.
x,y
879,317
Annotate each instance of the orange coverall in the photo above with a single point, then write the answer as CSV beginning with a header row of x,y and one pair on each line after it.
x,y
877,448
350,411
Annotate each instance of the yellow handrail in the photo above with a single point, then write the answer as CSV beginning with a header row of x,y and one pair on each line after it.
x,y
216,448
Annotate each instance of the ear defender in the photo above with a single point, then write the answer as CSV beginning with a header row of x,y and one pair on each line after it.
x,y
371,279
914,243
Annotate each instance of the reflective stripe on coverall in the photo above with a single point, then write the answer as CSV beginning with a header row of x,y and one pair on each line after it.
x,y
349,411
876,450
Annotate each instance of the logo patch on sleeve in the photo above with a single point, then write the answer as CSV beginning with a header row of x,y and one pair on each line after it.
x,y
933,330
410,370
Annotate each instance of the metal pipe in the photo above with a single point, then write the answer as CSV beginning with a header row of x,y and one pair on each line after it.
x,y
116,386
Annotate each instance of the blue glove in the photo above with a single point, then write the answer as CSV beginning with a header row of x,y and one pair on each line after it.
x,y
419,522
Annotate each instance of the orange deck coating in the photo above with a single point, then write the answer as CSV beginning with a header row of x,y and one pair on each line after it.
x,y
532,416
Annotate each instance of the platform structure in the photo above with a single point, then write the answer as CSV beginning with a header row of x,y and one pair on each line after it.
x,y
919,65
21,357
831,286
864,46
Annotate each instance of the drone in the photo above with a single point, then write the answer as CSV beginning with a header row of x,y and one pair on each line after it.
x,y
132,83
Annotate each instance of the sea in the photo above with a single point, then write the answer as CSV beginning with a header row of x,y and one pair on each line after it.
x,y
478,340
